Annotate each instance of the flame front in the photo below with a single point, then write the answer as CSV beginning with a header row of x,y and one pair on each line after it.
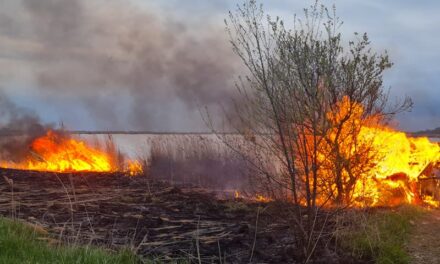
x,y
58,152
54,152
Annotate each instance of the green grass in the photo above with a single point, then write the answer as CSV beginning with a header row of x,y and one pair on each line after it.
x,y
380,236
22,243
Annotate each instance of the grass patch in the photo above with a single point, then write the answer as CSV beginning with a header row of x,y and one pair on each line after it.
x,y
379,236
23,243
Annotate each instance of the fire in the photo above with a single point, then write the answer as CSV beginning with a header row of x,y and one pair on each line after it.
x,y
402,161
257,198
262,199
58,152
134,168
54,152
386,163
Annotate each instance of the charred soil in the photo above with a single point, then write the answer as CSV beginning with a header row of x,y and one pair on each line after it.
x,y
153,218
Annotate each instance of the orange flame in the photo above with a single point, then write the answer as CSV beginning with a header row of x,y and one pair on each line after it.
x,y
386,161
262,199
402,160
57,152
134,168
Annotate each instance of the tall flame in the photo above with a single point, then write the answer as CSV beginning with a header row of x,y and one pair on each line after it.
x,y
402,162
384,161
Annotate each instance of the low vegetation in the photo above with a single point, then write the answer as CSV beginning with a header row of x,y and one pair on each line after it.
x,y
22,243
378,236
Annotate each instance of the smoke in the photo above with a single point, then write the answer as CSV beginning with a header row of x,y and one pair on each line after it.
x,y
122,61
18,127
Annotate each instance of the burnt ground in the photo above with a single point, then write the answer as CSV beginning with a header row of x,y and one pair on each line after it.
x,y
155,219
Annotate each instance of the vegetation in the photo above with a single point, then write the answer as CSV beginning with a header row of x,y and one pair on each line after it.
x,y
22,243
304,101
379,236
196,159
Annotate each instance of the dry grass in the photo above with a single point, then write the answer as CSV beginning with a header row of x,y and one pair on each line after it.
x,y
199,160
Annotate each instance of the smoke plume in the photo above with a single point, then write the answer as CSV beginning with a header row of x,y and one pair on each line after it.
x,y
127,65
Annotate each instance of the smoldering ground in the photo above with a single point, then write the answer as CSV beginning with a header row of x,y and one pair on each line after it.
x,y
128,66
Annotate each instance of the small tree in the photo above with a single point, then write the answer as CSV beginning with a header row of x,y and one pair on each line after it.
x,y
304,102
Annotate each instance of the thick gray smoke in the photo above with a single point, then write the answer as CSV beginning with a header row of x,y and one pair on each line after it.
x,y
128,66
18,127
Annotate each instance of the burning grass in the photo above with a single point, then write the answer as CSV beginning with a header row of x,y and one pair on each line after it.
x,y
58,151
387,172
87,198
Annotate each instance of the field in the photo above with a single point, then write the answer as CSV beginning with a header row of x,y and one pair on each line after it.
x,y
154,219
194,203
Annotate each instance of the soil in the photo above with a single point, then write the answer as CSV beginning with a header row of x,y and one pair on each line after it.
x,y
155,219
424,245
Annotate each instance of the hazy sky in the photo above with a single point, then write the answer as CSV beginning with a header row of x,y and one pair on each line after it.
x,y
151,64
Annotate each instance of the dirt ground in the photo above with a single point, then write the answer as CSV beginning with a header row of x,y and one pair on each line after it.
x,y
424,245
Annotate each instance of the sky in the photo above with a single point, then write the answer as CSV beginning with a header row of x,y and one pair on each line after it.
x,y
154,65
